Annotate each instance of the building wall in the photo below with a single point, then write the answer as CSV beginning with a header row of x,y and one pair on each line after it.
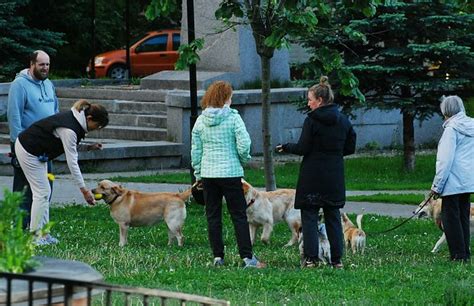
x,y
373,127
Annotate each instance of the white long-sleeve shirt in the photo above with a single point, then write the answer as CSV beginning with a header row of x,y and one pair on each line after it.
x,y
69,139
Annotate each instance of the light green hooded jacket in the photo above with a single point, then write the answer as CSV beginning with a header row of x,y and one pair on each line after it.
x,y
220,144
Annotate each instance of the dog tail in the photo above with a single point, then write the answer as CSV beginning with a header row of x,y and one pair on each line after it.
x,y
185,195
359,221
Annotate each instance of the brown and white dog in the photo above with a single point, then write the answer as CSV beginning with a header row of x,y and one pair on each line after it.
x,y
432,209
131,208
353,236
265,208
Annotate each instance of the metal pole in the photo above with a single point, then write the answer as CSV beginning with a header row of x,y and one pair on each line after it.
x,y
92,72
192,74
127,39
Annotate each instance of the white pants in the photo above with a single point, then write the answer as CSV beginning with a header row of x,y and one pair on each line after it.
x,y
36,172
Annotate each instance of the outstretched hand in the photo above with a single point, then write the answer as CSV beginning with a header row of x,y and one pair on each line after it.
x,y
94,147
434,195
279,148
88,196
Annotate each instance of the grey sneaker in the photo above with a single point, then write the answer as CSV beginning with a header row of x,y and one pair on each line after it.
x,y
218,261
253,263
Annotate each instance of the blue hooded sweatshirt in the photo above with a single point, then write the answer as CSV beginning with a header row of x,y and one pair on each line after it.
x,y
455,157
29,100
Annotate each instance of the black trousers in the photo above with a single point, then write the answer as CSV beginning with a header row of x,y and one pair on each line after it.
x,y
231,189
332,219
455,213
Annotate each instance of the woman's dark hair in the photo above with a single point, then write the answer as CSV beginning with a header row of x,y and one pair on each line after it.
x,y
323,90
98,113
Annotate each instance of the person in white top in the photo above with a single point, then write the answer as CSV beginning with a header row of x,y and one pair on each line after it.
x,y
47,139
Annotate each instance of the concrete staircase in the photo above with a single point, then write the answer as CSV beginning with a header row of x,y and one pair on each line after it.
x,y
135,139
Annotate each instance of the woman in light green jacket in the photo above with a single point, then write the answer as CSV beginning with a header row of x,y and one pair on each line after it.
x,y
220,146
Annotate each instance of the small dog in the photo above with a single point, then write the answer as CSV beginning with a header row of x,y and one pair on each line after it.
x,y
265,208
131,208
353,236
324,252
433,210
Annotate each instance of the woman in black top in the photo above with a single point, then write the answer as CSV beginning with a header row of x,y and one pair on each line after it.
x,y
326,137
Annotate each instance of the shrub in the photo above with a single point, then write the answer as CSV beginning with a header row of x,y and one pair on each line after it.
x,y
16,244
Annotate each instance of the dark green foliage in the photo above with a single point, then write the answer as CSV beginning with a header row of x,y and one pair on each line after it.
x,y
30,25
406,57
18,37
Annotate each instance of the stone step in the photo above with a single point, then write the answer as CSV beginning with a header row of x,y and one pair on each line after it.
x,y
116,155
131,119
119,106
4,139
131,93
117,132
153,121
130,133
173,79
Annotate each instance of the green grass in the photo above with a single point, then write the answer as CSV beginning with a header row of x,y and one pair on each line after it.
x,y
406,198
363,173
397,268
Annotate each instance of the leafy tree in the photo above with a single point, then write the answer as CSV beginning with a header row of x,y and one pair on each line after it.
x,y
18,39
406,57
272,23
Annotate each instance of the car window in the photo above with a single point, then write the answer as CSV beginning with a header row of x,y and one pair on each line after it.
x,y
154,44
176,41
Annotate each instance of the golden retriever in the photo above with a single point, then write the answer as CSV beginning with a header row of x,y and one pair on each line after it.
x,y
131,208
433,210
265,208
353,235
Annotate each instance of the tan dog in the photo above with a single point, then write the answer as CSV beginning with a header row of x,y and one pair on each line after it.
x,y
131,208
265,208
433,210
353,235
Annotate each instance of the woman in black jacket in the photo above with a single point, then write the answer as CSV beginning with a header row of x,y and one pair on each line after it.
x,y
326,137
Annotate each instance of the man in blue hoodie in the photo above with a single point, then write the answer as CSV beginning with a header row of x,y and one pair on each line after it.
x,y
32,97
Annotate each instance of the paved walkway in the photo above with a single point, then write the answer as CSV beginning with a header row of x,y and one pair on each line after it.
x,y
65,191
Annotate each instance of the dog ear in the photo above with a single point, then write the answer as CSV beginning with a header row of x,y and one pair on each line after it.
x,y
118,190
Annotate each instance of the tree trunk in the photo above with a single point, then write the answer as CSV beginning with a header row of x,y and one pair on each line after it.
x,y
408,141
267,138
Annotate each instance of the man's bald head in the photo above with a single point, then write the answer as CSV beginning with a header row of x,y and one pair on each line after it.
x,y
39,65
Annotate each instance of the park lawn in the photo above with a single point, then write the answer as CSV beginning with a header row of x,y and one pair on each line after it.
x,y
406,198
362,173
397,268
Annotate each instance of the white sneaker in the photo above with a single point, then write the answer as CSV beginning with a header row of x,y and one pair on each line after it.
x,y
218,261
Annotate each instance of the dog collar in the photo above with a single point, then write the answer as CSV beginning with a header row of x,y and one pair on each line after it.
x,y
113,200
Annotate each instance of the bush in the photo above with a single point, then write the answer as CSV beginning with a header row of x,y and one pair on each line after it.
x,y
17,245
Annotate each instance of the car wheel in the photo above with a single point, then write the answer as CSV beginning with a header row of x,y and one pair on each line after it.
x,y
118,72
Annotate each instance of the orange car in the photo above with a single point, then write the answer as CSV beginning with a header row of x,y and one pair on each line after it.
x,y
156,51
